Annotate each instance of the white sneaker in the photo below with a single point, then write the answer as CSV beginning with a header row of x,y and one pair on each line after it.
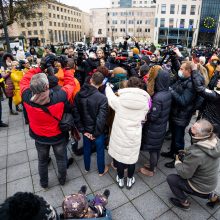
x,y
120,182
130,182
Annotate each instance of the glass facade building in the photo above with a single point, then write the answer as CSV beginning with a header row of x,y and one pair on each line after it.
x,y
125,3
210,12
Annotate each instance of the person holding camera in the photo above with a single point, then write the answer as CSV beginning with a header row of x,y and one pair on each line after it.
x,y
44,125
197,167
183,101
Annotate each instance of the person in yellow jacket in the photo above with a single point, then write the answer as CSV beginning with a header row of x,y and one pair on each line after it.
x,y
212,65
16,76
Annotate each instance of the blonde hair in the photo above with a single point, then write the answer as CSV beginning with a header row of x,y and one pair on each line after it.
x,y
153,72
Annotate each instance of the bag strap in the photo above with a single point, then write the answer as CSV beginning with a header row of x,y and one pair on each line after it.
x,y
46,110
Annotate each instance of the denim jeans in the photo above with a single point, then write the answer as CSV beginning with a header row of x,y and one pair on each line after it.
x,y
60,153
100,150
180,187
178,133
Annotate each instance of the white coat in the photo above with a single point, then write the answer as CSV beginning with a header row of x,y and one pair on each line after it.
x,y
131,108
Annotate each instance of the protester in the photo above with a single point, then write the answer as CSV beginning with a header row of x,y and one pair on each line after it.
x,y
90,113
197,168
131,107
183,101
154,129
45,127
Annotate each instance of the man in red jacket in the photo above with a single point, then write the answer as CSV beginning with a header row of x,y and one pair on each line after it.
x,y
43,127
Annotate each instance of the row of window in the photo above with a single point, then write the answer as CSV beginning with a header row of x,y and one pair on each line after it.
x,y
175,10
132,13
34,15
29,33
129,30
34,24
64,17
58,24
63,10
65,36
181,23
148,22
138,2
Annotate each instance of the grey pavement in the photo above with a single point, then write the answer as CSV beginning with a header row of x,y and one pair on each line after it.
x,y
148,199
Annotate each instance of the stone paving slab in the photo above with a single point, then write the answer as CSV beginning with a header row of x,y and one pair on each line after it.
x,y
148,199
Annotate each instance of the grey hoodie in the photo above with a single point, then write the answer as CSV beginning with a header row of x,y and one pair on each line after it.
x,y
200,166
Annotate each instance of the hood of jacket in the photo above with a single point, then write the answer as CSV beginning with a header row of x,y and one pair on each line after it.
x,y
162,81
87,90
93,63
134,98
210,147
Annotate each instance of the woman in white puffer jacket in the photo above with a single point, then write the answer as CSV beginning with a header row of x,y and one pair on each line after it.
x,y
131,108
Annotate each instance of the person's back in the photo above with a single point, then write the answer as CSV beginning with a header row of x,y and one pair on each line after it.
x,y
90,114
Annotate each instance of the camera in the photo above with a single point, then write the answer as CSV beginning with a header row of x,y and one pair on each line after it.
x,y
181,155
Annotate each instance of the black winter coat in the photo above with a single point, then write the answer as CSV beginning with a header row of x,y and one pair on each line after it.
x,y
211,110
90,110
154,129
183,101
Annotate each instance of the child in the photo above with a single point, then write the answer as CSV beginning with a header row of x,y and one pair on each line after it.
x,y
90,113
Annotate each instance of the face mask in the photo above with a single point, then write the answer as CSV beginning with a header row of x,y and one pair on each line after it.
x,y
215,62
112,59
180,74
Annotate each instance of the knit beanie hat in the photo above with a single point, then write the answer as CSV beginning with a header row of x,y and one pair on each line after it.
x,y
136,51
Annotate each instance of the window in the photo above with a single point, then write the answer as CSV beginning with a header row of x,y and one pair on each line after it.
x,y
172,9
35,32
22,24
41,23
28,24
58,24
29,32
191,23
50,23
162,22
34,24
53,7
171,22
54,16
49,6
61,9
163,9
100,31
182,23
55,24
58,8
58,16
193,10
41,32
183,11
23,33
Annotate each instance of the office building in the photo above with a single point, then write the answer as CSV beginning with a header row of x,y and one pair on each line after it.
x,y
177,21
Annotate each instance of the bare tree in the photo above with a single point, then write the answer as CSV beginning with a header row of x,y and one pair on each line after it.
x,y
14,8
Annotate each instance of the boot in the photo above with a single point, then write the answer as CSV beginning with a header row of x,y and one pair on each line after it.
x,y
130,182
120,182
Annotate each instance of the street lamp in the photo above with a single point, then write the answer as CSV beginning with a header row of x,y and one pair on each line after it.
x,y
112,28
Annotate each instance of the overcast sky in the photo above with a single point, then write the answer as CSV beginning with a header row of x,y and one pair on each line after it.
x,y
85,5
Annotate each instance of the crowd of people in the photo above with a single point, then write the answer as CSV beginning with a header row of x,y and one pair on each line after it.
x,y
125,102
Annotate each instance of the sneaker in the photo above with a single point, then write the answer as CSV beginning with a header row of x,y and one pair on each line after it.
x,y
179,204
44,186
3,125
167,154
213,201
130,182
120,182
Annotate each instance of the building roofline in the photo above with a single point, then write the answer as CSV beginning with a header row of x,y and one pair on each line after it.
x,y
65,5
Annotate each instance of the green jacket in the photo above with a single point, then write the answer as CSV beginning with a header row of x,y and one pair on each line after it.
x,y
201,165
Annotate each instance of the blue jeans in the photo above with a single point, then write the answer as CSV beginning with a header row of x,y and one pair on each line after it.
x,y
178,133
100,150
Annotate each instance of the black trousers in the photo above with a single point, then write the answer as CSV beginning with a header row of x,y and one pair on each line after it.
x,y
121,167
180,187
